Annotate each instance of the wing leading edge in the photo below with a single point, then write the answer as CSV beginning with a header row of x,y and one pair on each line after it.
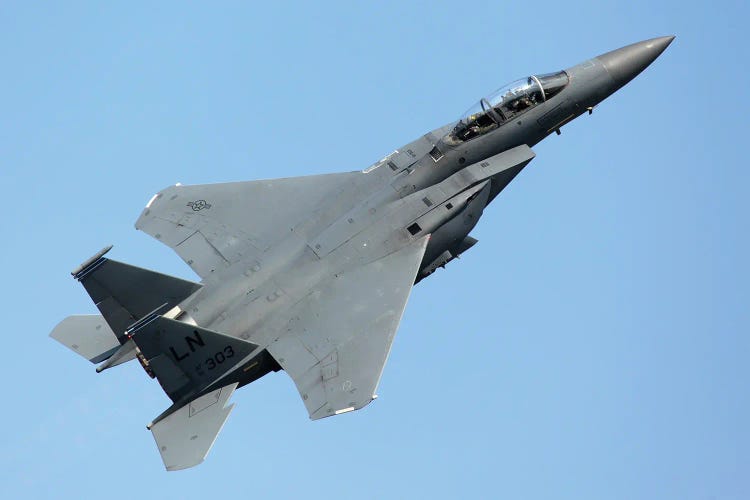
x,y
341,334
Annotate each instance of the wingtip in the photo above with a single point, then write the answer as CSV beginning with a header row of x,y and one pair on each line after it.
x,y
173,468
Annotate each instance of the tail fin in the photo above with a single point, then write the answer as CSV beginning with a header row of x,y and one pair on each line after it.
x,y
186,358
125,294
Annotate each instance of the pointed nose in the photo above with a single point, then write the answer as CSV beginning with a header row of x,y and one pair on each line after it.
x,y
627,62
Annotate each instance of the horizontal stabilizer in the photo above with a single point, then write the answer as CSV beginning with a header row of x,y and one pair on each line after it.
x,y
87,335
124,293
186,358
185,437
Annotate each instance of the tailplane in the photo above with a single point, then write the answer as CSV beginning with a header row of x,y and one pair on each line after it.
x,y
185,436
124,295
199,369
87,335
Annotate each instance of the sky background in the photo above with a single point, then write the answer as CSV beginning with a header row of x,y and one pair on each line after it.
x,y
593,345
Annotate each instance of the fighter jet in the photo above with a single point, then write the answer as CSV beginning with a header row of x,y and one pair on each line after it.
x,y
311,275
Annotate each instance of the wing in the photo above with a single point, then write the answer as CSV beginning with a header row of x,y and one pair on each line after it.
x,y
340,335
212,226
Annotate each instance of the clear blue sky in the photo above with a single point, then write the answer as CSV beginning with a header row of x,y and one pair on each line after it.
x,y
593,345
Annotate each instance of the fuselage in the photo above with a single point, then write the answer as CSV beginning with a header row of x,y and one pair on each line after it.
x,y
411,193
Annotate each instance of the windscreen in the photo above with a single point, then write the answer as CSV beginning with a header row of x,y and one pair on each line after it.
x,y
505,104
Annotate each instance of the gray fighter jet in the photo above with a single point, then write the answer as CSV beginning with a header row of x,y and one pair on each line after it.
x,y
311,274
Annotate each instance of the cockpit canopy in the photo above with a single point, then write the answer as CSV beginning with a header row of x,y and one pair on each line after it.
x,y
505,104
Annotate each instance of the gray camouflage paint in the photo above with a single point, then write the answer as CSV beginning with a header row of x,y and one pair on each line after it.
x,y
312,274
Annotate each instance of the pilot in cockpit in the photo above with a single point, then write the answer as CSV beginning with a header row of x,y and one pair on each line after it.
x,y
518,105
504,104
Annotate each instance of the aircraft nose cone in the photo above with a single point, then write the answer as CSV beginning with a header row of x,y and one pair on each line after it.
x,y
627,62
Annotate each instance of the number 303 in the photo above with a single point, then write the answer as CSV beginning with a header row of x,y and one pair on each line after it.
x,y
219,357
